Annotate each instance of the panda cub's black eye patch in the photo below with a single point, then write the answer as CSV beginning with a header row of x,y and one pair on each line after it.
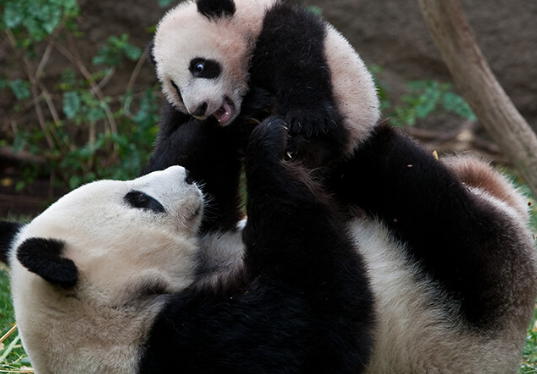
x,y
202,68
140,200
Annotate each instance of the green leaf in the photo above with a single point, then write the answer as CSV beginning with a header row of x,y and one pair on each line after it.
x,y
165,3
75,181
133,53
20,88
112,52
12,15
456,104
71,104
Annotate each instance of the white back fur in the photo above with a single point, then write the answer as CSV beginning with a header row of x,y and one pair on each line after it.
x,y
415,332
355,93
418,334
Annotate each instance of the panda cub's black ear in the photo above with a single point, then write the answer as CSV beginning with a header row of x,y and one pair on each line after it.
x,y
8,231
43,257
216,8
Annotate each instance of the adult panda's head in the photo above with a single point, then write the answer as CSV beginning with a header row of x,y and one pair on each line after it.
x,y
202,51
90,272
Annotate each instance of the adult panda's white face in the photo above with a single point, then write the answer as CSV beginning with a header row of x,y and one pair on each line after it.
x,y
92,268
202,56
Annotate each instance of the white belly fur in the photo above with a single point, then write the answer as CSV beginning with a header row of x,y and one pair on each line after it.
x,y
416,332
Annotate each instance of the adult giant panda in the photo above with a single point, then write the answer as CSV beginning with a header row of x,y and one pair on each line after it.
x,y
446,243
217,60
447,246
112,278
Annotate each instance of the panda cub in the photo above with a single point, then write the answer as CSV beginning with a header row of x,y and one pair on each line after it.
x,y
228,61
106,279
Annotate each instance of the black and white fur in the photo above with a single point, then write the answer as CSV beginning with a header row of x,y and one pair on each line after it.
x,y
107,280
230,61
449,253
447,246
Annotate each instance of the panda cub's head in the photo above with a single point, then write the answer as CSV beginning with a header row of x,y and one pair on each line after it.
x,y
95,266
202,51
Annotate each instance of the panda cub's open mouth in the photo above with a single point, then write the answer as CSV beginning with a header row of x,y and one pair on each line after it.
x,y
226,111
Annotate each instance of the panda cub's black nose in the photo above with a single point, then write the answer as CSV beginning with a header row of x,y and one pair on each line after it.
x,y
200,111
188,177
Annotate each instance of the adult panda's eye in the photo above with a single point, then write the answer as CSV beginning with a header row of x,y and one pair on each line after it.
x,y
141,200
202,68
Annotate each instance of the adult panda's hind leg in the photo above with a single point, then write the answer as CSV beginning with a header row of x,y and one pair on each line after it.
x,y
482,179
471,242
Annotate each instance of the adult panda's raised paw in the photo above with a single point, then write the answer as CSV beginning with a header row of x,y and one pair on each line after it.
x,y
269,138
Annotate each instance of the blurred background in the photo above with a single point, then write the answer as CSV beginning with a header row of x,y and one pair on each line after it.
x,y
79,100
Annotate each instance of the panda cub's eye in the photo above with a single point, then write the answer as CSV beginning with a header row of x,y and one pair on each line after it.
x,y
202,68
141,200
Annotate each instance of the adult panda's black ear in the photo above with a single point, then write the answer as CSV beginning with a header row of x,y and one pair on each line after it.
x,y
8,230
43,257
216,8
150,52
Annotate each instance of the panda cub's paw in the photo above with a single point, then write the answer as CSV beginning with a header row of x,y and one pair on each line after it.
x,y
311,123
315,136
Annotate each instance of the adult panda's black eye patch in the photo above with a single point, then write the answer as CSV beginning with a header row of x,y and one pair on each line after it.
x,y
202,68
141,200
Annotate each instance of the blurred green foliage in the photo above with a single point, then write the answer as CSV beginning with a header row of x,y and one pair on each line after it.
x,y
81,133
422,99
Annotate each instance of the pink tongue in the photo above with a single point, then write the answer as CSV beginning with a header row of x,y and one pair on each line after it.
x,y
223,114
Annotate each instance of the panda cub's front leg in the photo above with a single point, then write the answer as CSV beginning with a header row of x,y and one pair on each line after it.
x,y
289,61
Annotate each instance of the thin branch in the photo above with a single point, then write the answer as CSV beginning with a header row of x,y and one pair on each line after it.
x,y
136,71
106,78
94,87
28,69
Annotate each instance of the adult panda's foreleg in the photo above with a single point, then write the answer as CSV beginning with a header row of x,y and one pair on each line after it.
x,y
212,155
471,246
296,239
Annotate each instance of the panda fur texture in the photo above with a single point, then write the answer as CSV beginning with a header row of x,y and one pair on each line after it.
x,y
219,60
447,246
106,279
449,254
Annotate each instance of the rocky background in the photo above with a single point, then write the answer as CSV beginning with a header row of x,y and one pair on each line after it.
x,y
390,34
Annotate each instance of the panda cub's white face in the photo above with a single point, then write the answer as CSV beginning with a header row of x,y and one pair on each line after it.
x,y
126,244
202,63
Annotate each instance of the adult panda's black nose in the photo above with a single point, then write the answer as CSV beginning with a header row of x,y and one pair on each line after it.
x,y
200,111
188,177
